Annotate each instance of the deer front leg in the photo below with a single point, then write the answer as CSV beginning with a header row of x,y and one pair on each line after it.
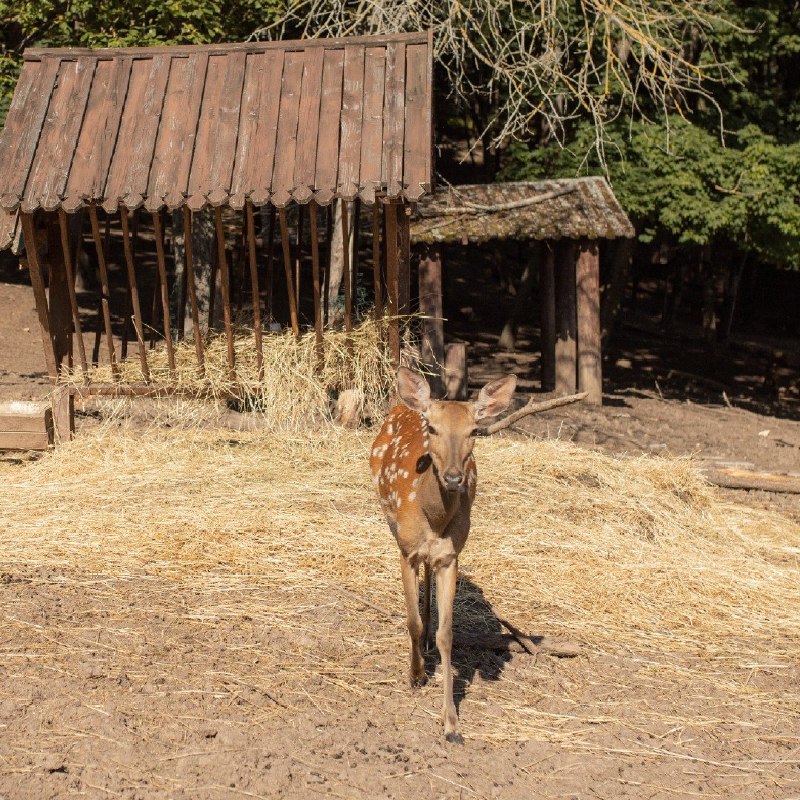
x,y
411,591
445,594
427,641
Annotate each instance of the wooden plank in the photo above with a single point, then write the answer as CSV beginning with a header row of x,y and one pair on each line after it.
x,y
376,260
13,127
287,267
547,307
39,294
16,154
11,422
308,126
76,316
394,120
133,290
95,148
417,138
172,157
286,143
162,281
255,152
13,440
587,280
372,136
62,414
350,123
48,178
566,319
227,127
314,230
430,306
327,160
105,292
189,270
251,249
392,273
225,284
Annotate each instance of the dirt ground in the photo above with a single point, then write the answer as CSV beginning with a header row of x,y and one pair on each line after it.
x,y
99,725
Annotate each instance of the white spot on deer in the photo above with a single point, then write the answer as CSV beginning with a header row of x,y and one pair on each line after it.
x,y
412,496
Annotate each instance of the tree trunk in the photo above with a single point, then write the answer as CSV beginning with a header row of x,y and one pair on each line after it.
x,y
336,312
203,256
614,292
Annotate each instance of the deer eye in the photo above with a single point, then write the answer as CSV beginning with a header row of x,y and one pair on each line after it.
x,y
473,433
432,431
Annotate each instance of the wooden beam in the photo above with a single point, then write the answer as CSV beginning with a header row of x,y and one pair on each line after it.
x,y
392,277
162,280
298,257
566,318
105,292
269,278
313,222
376,260
58,295
547,308
63,409
66,250
251,248
287,268
134,292
430,307
225,286
587,282
188,249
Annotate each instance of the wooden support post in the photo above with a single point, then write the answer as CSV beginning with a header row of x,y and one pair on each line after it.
x,y
346,274
455,371
66,251
225,286
287,268
392,273
404,258
376,260
63,405
134,292
162,280
326,299
566,319
354,247
188,249
430,306
312,213
298,258
251,247
39,294
587,281
547,308
58,296
104,287
269,244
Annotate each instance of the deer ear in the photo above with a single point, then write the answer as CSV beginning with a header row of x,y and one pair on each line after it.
x,y
413,390
494,397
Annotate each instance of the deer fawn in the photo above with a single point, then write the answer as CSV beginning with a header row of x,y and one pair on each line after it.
x,y
423,468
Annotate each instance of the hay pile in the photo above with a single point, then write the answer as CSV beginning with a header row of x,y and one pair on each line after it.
x,y
631,554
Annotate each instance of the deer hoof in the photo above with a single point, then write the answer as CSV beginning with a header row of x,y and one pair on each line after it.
x,y
416,681
454,737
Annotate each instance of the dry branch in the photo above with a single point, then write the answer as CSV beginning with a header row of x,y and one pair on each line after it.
x,y
477,208
732,478
533,408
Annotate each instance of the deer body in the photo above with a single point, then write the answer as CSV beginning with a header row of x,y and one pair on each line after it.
x,y
423,468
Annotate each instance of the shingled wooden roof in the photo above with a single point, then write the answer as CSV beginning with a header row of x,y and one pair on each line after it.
x,y
269,122
569,208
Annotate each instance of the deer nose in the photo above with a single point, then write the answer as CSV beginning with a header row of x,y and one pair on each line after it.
x,y
453,479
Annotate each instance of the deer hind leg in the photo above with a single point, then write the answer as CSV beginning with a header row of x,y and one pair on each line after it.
x,y
445,595
427,639
411,591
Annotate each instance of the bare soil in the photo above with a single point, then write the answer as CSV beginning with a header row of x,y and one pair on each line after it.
x,y
81,681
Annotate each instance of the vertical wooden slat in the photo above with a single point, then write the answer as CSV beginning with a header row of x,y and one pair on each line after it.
x,y
312,215
346,275
287,266
372,136
547,306
251,248
162,279
326,300
394,119
309,126
355,251
39,294
327,161
566,322
134,292
270,245
376,260
73,300
350,135
188,269
298,257
286,143
224,278
104,287
392,272
587,280
417,141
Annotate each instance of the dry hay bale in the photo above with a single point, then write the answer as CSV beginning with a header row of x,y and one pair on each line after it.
x,y
632,554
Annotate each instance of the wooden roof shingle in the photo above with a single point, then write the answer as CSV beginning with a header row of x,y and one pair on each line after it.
x,y
272,122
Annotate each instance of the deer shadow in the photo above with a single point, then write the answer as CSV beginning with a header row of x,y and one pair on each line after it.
x,y
481,645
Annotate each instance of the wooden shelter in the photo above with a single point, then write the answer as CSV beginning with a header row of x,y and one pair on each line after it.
x,y
572,216
135,131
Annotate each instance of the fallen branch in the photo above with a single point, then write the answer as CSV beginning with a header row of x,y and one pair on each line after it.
x,y
533,408
476,208
732,478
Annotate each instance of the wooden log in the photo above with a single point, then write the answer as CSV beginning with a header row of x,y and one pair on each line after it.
x,y
188,268
39,294
26,425
314,230
752,480
58,295
66,251
105,292
251,249
456,378
376,260
430,306
547,308
162,280
533,407
63,409
392,279
587,281
225,286
566,318
133,290
287,267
